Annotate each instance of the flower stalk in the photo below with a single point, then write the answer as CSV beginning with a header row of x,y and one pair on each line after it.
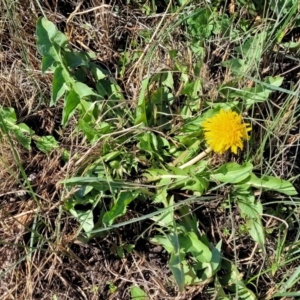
x,y
196,158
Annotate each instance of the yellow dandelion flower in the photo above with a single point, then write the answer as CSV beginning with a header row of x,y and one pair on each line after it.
x,y
226,130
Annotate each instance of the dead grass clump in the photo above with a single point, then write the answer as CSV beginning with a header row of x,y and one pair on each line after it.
x,y
18,89
15,218
22,85
9,169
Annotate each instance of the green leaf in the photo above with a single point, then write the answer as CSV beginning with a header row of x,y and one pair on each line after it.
x,y
232,172
252,211
52,34
272,183
47,62
190,274
201,23
112,155
44,45
175,263
192,89
137,293
148,143
141,114
249,207
129,247
219,289
23,134
82,90
191,243
216,257
165,78
197,184
49,39
90,132
71,102
153,175
164,241
104,88
76,59
46,144
83,191
85,218
244,293
188,221
98,72
213,266
21,131
231,279
119,207
58,85
166,218
256,231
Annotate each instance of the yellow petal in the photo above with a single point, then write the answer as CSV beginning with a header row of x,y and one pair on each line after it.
x,y
226,130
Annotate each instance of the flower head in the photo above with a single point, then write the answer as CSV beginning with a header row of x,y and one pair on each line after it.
x,y
226,130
